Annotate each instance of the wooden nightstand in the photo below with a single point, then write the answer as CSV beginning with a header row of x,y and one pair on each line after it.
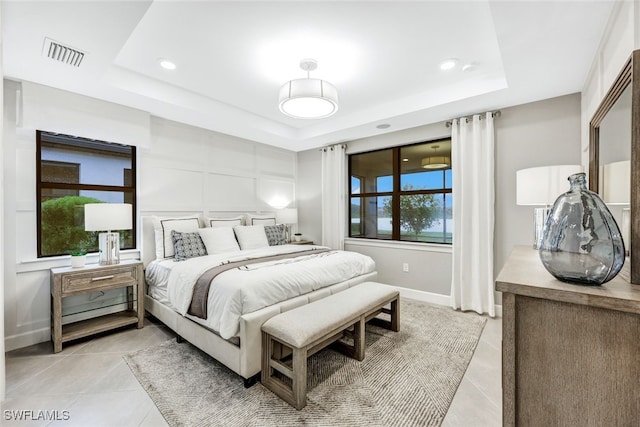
x,y
67,281
302,242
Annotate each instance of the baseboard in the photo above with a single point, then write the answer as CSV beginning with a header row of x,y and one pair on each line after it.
x,y
432,298
37,336
423,296
26,339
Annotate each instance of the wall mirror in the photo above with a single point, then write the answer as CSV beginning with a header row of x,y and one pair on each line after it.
x,y
614,156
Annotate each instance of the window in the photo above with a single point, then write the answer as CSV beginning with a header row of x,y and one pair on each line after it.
x,y
71,172
402,193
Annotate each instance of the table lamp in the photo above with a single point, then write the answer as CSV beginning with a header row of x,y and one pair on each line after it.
x,y
541,186
288,217
108,217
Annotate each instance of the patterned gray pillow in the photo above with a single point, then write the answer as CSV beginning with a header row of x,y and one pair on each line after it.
x,y
187,245
275,234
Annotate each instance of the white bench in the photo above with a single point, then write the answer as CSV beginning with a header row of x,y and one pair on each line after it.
x,y
310,328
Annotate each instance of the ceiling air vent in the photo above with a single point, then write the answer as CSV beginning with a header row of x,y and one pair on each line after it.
x,y
61,53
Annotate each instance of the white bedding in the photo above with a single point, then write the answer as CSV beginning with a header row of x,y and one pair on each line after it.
x,y
243,290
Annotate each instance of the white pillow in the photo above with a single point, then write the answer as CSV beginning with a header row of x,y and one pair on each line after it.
x,y
251,236
225,222
162,228
219,239
261,219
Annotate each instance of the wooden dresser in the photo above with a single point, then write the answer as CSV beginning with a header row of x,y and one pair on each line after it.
x,y
570,353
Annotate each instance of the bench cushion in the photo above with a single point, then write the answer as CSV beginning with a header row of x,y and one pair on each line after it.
x,y
304,325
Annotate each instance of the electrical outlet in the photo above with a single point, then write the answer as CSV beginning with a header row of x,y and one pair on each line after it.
x,y
405,267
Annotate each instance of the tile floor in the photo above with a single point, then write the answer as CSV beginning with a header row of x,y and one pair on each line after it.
x,y
91,381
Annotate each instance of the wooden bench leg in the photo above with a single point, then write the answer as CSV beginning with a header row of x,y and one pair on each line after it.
x,y
294,393
299,377
358,339
395,315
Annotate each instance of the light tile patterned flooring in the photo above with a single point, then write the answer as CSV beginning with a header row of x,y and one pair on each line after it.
x,y
91,381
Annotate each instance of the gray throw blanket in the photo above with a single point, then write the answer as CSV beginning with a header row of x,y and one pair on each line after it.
x,y
200,296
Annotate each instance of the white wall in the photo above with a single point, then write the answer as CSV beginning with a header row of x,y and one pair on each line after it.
x,y
535,134
180,169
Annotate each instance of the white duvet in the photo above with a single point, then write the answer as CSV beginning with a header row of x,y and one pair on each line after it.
x,y
243,290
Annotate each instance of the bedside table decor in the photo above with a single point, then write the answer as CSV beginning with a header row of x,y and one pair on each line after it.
x,y
288,217
108,217
78,261
68,281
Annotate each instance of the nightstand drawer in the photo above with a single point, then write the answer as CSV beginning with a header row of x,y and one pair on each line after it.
x,y
92,281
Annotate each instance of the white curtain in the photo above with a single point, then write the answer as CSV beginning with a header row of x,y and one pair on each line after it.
x,y
334,184
472,142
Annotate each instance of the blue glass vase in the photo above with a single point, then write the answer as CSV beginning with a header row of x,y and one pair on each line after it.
x,y
581,242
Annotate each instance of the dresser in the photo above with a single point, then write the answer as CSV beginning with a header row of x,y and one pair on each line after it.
x,y
570,353
94,278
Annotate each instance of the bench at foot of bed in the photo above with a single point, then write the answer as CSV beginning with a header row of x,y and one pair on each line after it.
x,y
310,328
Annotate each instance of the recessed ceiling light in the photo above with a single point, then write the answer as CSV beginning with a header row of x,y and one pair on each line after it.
x,y
469,67
383,126
448,64
405,160
166,64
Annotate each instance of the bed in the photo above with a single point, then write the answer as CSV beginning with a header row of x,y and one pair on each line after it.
x,y
242,298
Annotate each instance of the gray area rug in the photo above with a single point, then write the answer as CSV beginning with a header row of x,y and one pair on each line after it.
x,y
407,378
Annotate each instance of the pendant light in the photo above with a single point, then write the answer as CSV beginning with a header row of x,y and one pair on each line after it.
x,y
308,98
436,161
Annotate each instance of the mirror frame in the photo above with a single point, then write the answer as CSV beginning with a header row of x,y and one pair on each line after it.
x,y
630,75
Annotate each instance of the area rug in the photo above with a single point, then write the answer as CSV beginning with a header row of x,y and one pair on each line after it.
x,y
407,378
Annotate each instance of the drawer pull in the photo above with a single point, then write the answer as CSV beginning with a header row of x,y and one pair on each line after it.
x,y
95,279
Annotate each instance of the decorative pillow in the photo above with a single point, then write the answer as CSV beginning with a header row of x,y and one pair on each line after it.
x,y
225,222
219,239
162,228
187,245
275,234
251,236
261,219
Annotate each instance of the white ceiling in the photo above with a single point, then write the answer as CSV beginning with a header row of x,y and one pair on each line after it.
x,y
383,57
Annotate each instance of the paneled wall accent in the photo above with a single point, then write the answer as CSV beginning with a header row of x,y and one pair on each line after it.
x,y
620,38
192,169
181,168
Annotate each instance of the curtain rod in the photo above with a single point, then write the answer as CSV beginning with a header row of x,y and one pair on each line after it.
x,y
333,146
496,113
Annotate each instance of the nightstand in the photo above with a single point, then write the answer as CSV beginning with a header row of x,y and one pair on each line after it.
x,y
68,281
302,242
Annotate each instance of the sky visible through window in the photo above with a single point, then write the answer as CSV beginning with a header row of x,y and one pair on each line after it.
x,y
417,180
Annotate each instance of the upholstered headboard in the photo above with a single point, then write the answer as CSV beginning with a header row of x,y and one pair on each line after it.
x,y
148,240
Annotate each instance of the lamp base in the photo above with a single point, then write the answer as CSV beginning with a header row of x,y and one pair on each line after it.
x,y
539,218
287,233
109,246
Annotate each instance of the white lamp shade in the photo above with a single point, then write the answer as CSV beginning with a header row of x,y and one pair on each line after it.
x,y
287,216
616,183
107,216
308,99
541,186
